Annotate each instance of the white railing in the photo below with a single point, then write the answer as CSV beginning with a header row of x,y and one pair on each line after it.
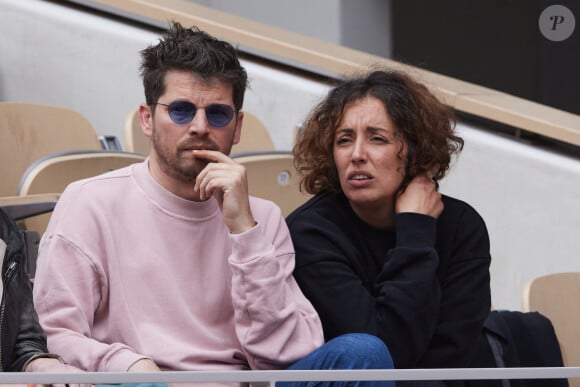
x,y
269,378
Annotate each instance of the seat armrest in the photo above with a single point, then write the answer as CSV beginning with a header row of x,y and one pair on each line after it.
x,y
21,207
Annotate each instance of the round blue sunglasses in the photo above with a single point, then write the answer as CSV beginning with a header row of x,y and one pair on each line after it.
x,y
182,112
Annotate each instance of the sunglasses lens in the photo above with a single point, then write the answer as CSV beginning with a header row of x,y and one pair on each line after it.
x,y
219,115
181,112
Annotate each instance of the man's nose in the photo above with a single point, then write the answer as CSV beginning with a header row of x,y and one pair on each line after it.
x,y
199,124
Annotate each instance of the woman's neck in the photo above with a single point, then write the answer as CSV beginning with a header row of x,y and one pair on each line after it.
x,y
379,216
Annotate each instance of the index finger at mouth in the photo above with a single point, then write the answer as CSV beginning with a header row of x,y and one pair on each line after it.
x,y
210,155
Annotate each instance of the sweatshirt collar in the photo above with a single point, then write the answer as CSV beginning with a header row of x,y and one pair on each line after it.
x,y
166,200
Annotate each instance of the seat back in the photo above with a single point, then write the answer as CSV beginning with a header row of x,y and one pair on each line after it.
x,y
255,135
271,175
557,296
31,131
54,172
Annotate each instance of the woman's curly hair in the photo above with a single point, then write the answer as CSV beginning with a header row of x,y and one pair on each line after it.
x,y
423,123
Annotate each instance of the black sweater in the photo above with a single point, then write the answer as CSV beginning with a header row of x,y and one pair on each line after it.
x,y
423,288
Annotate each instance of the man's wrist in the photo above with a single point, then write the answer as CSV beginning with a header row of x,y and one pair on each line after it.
x,y
144,365
247,226
29,366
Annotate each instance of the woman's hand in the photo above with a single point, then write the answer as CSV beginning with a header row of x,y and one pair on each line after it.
x,y
421,197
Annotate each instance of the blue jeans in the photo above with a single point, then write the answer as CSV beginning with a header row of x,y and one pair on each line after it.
x,y
347,352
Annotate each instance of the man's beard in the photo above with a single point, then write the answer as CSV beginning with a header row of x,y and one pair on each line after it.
x,y
184,170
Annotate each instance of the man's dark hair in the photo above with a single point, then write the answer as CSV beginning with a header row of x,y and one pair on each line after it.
x,y
193,50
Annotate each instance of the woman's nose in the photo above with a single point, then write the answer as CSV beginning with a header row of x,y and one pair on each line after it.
x,y
359,150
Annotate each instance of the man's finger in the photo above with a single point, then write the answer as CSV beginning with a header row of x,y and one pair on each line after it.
x,y
210,155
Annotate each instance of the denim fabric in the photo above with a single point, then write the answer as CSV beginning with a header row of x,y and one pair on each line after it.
x,y
347,352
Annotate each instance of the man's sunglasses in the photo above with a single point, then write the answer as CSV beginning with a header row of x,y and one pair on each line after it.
x,y
182,112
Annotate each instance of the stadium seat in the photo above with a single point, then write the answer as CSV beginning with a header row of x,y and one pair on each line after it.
x,y
30,131
557,296
271,175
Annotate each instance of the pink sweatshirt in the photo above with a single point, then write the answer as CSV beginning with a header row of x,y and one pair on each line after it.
x,y
127,270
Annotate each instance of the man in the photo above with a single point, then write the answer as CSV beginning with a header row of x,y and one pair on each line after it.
x,y
22,343
169,264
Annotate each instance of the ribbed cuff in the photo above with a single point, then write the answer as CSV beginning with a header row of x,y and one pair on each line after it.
x,y
249,244
415,230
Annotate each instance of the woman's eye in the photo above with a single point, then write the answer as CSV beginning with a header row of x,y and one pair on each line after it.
x,y
342,140
379,139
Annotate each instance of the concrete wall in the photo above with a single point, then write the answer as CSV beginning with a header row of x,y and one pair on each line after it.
x,y
529,199
527,195
56,55
345,22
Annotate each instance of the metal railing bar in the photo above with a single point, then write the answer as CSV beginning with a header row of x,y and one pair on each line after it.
x,y
291,375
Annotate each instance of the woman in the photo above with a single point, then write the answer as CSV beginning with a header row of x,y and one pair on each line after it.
x,y
378,249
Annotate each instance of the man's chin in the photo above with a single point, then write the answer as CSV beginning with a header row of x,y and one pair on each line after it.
x,y
192,169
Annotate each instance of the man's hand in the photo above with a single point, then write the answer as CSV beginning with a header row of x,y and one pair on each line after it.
x,y
144,365
147,365
226,180
421,197
45,364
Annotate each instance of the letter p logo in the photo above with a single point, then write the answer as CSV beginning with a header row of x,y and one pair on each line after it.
x,y
557,23
556,20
